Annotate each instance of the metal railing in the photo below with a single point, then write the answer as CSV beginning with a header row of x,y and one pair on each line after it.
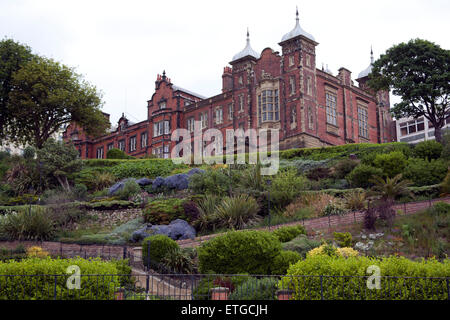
x,y
148,286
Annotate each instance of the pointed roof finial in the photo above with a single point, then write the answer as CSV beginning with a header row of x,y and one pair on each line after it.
x,y
296,13
371,54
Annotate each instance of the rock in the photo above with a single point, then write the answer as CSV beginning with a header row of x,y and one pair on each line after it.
x,y
144,182
118,186
363,236
178,181
176,230
158,183
372,236
194,171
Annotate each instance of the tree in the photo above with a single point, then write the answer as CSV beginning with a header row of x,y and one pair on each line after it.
x,y
389,189
418,72
48,95
12,57
59,160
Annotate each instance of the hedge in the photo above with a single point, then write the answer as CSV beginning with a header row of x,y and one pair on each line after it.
x,y
251,252
51,279
346,278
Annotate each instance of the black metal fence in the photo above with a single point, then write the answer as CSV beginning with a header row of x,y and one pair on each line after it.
x,y
148,286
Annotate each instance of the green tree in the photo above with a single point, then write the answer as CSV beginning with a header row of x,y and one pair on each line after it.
x,y
13,56
389,189
418,72
59,160
48,95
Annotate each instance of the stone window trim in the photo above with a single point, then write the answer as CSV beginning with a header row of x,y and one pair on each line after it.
x,y
100,153
331,108
218,115
241,102
121,145
132,144
161,128
144,140
268,105
363,120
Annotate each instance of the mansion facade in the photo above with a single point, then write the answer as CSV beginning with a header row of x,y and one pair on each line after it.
x,y
311,107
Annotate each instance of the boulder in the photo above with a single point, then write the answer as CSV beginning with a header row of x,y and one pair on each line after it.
x,y
194,171
176,230
144,182
118,186
158,183
177,181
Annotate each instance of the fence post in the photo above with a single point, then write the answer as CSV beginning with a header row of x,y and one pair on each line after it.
x,y
321,287
148,255
147,284
448,290
54,287
124,252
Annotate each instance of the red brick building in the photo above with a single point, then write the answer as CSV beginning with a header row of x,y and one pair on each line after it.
x,y
311,107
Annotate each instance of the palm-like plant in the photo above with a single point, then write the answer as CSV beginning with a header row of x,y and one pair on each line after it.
x,y
237,212
355,201
389,189
207,208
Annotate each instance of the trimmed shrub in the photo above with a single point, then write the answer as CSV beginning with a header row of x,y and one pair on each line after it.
x,y
256,289
164,211
210,182
160,246
392,163
424,173
115,153
359,177
282,262
301,244
286,185
45,286
236,252
349,281
286,234
430,149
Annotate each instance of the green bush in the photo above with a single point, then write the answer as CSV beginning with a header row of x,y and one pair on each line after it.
x,y
117,154
164,211
344,167
424,173
445,185
391,163
151,168
178,261
160,246
203,290
211,181
44,286
286,234
343,239
345,278
359,177
301,244
256,289
286,185
130,189
282,262
440,208
236,252
430,149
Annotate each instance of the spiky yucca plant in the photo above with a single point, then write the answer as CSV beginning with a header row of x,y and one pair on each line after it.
x,y
389,189
236,212
355,201
207,208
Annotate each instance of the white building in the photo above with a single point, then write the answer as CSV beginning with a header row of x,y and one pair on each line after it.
x,y
416,130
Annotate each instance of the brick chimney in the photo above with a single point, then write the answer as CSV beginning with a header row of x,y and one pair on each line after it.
x,y
227,79
345,76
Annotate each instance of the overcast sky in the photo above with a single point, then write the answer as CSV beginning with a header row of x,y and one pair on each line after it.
x,y
120,46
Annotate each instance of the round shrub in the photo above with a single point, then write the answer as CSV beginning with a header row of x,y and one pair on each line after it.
x,y
359,177
286,234
391,163
251,252
424,173
160,245
116,154
430,149
282,262
255,289
130,189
